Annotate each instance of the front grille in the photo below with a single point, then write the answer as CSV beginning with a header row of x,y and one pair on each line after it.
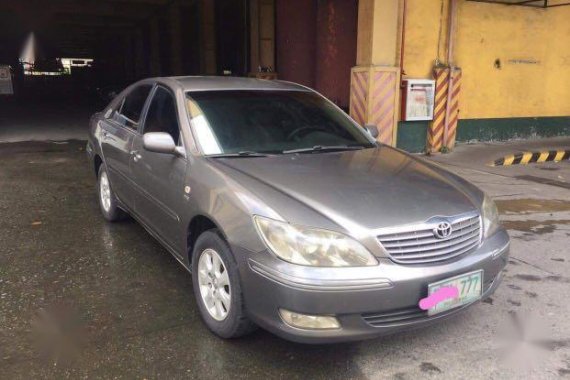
x,y
418,244
409,315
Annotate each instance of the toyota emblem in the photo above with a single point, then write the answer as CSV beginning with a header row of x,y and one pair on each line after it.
x,y
443,230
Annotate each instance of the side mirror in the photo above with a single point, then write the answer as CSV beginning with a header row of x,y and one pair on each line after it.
x,y
161,142
372,129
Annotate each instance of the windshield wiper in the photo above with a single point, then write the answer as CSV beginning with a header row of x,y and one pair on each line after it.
x,y
245,153
324,148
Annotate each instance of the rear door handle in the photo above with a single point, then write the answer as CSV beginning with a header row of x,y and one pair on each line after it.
x,y
136,156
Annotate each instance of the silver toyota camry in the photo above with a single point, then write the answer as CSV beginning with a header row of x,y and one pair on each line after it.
x,y
289,215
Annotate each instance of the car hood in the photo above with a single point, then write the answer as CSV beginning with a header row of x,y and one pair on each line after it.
x,y
373,188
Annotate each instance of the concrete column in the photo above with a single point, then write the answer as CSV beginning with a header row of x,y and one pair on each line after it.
x,y
176,64
155,66
374,97
262,34
378,32
208,37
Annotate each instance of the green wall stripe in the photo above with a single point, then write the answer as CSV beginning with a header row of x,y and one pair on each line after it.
x,y
412,135
512,128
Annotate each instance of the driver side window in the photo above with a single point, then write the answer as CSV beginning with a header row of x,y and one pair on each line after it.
x,y
162,115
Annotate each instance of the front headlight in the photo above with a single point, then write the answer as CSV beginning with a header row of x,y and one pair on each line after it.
x,y
312,247
490,215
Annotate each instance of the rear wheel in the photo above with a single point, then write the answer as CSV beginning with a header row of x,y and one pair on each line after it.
x,y
107,200
217,287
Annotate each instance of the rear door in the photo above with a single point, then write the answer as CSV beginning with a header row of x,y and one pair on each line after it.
x,y
118,134
160,177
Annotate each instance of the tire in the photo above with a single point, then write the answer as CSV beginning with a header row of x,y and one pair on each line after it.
x,y
232,322
107,200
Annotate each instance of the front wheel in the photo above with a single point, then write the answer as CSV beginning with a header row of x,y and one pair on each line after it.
x,y
217,288
107,200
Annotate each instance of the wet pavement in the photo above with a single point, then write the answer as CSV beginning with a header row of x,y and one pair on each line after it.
x,y
81,298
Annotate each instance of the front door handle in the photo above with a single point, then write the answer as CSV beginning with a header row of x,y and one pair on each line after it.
x,y
136,156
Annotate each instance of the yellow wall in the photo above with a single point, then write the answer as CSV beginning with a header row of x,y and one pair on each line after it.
x,y
485,33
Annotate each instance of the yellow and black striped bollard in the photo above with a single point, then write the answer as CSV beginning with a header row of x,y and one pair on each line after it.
x,y
526,158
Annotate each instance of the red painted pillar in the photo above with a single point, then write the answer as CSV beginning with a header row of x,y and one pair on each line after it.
x,y
316,44
337,24
295,40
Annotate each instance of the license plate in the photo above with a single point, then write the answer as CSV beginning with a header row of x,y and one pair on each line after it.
x,y
469,286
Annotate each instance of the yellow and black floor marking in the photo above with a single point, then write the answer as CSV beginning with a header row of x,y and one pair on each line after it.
x,y
532,157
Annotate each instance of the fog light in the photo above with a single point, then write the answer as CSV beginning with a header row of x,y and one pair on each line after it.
x,y
312,322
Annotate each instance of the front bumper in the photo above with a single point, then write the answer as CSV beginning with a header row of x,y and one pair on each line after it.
x,y
368,302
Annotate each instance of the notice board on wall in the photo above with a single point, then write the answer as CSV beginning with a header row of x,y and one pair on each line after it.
x,y
418,99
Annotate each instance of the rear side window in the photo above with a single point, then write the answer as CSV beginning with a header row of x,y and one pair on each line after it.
x,y
132,106
162,116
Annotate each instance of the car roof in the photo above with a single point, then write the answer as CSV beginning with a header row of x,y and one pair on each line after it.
x,y
205,83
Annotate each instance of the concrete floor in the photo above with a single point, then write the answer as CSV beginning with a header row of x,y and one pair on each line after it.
x,y
45,120
81,298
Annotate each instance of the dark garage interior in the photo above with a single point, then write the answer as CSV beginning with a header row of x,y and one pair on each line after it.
x,y
127,40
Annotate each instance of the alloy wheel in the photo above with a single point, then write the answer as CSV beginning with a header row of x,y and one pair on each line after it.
x,y
105,192
214,284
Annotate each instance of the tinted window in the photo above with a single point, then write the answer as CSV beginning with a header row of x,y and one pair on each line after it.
x,y
133,105
162,116
269,122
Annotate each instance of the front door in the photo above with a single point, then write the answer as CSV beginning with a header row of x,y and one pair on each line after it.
x,y
160,177
118,133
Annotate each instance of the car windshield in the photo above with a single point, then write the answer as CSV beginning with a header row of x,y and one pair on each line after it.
x,y
244,123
